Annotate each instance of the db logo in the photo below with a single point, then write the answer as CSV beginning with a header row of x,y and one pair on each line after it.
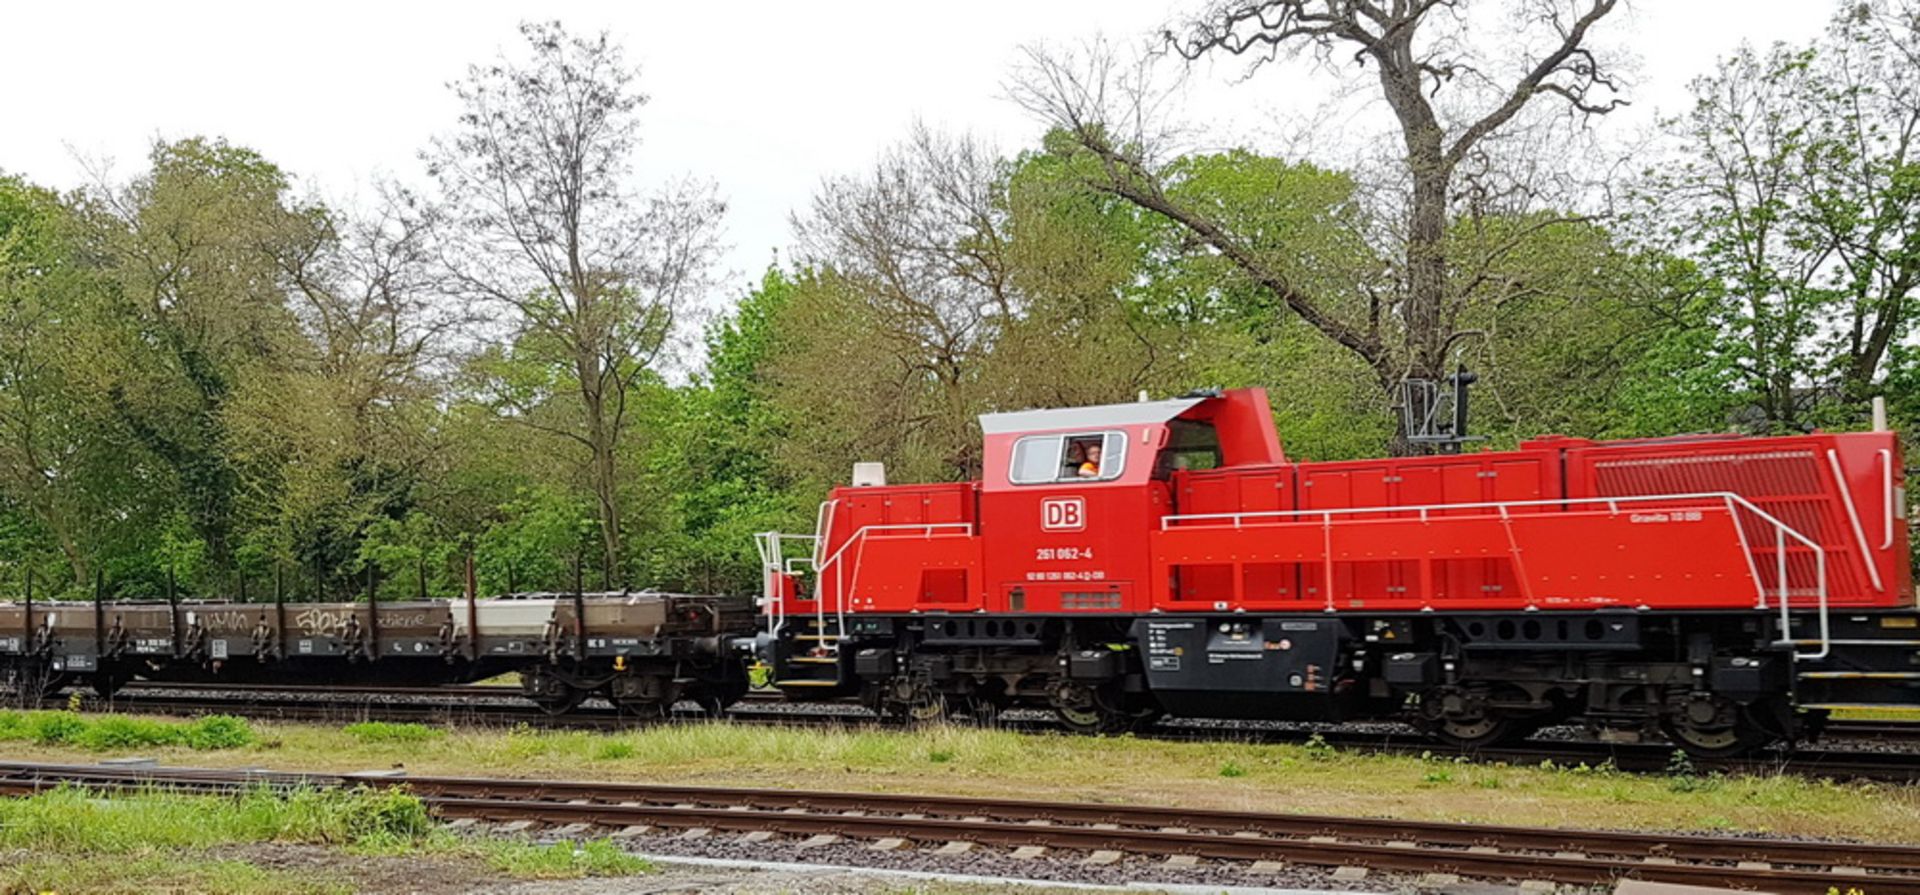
x,y
1063,514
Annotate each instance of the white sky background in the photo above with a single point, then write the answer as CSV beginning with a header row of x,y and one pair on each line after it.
x,y
766,99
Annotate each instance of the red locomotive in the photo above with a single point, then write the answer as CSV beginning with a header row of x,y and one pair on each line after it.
x,y
1123,561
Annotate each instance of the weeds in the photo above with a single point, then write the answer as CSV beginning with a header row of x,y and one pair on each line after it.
x,y
1682,777
1317,748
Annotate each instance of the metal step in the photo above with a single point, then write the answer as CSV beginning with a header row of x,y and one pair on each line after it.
x,y
1860,675
1869,642
806,682
816,637
815,660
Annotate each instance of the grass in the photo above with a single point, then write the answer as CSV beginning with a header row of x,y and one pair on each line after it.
x,y
561,860
388,732
118,732
73,840
1312,777
158,872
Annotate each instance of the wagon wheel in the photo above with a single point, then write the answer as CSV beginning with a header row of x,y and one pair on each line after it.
x,y
560,703
645,696
551,692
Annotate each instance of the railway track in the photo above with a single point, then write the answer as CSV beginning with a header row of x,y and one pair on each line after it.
x,y
1505,853
502,708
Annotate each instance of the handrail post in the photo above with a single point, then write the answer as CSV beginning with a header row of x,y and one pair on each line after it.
x,y
26,620
99,615
473,607
173,611
279,610
579,615
1326,546
373,614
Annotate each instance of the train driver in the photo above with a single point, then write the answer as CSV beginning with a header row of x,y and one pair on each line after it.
x,y
1090,468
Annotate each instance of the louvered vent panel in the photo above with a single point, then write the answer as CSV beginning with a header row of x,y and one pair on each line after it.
x,y
1789,484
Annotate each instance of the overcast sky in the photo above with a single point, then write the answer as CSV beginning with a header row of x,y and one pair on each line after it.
x,y
765,99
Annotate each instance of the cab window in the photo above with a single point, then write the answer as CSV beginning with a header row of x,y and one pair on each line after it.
x,y
1048,459
1191,444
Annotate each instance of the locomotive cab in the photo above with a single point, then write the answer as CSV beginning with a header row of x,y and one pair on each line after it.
x,y
1070,535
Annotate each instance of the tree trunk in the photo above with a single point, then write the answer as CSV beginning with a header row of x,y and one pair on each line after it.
x,y
601,442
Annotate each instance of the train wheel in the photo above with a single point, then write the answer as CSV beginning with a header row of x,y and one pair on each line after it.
x,y
645,696
1714,727
908,699
1084,709
1479,733
550,692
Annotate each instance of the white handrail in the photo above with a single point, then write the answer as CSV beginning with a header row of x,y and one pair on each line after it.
x,y
1782,532
1886,485
1853,518
774,565
774,562
822,527
843,586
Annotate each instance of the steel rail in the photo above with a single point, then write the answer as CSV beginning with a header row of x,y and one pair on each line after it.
x,y
1495,852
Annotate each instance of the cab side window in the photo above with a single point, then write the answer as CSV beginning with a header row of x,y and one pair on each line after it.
x,y
1089,457
1191,445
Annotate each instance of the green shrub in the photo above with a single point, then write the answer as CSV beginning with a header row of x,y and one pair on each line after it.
x,y
122,732
391,732
1229,769
386,817
49,728
218,732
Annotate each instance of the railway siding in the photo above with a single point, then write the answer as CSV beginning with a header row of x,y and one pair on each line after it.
x,y
1411,847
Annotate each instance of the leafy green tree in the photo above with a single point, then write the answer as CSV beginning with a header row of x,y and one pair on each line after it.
x,y
1796,192
49,437
713,457
191,248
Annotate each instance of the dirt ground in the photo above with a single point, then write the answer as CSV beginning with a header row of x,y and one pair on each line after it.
x,y
431,875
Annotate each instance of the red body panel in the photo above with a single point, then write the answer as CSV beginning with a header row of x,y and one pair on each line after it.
x,y
1558,524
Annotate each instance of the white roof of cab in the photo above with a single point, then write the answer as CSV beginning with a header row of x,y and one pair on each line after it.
x,y
1099,416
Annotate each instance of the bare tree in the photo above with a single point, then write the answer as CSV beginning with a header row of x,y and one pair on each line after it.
x,y
919,249
373,300
543,223
1450,102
